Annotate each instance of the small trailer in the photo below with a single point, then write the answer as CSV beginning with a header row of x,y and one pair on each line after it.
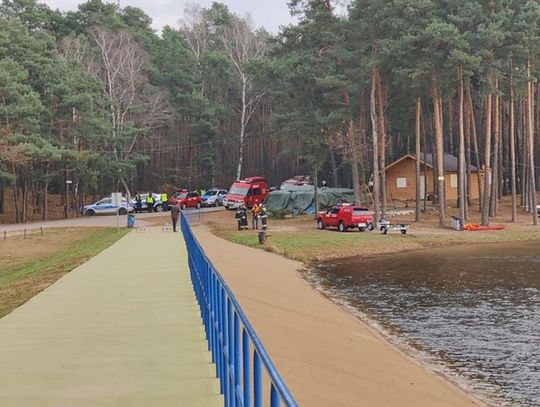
x,y
385,226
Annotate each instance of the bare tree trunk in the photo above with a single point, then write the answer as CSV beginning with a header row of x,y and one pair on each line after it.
x,y
375,139
523,147
2,196
24,210
475,145
354,166
242,130
487,161
382,144
316,190
451,124
418,154
513,152
335,173
15,192
354,151
467,125
45,214
439,147
495,162
530,115
461,170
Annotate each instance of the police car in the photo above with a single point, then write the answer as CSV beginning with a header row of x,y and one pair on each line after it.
x,y
158,205
106,207
214,197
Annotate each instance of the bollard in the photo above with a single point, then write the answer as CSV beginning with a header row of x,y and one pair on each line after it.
x,y
41,230
24,233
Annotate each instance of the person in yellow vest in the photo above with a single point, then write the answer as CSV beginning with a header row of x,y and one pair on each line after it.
x,y
165,201
255,215
150,202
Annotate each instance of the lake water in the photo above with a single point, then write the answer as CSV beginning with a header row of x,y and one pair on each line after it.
x,y
471,312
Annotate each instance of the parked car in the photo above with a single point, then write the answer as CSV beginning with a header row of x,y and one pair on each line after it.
x,y
177,196
185,199
105,207
214,197
246,192
158,206
346,216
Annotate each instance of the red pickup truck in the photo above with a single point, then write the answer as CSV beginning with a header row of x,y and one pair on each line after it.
x,y
346,217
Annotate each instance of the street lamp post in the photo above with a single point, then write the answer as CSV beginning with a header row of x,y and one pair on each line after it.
x,y
68,183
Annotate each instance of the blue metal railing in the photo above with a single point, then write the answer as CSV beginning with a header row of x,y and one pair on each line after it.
x,y
237,352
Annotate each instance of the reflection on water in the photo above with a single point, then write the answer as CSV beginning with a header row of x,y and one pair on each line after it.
x,y
475,309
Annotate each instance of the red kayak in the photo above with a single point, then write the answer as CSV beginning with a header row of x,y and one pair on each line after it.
x,y
473,227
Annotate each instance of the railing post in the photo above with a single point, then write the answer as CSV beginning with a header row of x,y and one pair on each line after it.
x,y
211,310
246,368
230,351
257,380
207,304
236,334
223,350
216,327
274,396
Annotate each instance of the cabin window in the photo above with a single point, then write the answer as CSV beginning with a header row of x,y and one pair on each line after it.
x,y
453,181
402,182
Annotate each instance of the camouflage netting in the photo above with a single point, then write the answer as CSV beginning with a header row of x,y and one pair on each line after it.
x,y
302,199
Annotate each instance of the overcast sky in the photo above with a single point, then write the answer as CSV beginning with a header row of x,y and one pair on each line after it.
x,y
267,13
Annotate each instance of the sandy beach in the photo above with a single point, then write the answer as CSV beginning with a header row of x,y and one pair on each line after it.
x,y
327,357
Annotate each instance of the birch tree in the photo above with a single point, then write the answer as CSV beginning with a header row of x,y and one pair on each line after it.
x,y
244,46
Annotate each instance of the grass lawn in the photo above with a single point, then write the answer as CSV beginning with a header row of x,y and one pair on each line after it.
x,y
298,238
28,266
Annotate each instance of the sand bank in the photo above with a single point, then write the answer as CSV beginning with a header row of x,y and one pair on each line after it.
x,y
327,357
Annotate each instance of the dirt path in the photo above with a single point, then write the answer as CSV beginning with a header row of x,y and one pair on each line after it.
x,y
327,357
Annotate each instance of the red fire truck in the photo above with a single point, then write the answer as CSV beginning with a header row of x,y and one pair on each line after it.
x,y
246,191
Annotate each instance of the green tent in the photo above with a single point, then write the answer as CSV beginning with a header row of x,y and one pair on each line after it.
x,y
302,199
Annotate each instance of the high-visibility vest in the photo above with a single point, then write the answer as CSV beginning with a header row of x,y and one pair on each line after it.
x,y
164,197
150,199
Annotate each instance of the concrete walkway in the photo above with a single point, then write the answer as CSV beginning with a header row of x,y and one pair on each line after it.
x,y
123,329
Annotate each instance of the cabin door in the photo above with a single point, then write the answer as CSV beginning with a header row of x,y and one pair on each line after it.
x,y
422,186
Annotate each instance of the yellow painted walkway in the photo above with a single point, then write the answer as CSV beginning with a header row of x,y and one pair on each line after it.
x,y
124,329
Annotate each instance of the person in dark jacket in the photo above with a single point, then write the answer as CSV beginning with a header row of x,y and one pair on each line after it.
x,y
263,214
175,215
241,217
138,203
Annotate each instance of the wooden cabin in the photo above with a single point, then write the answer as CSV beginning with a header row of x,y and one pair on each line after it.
x,y
401,179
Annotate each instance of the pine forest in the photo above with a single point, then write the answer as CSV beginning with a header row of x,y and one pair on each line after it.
x,y
99,97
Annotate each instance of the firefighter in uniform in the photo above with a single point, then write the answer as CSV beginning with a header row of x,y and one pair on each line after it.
x,y
165,201
263,214
245,217
241,217
150,202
